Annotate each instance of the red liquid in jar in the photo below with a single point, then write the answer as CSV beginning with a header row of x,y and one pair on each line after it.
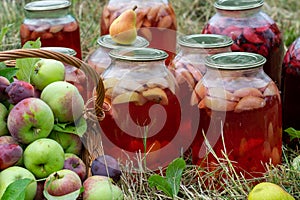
x,y
156,23
290,91
125,125
186,78
251,137
66,35
262,37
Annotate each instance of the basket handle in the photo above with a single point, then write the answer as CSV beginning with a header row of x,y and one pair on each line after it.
x,y
41,53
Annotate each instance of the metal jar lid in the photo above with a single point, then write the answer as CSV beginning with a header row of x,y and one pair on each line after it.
x,y
138,54
47,5
235,60
107,42
63,50
205,41
238,4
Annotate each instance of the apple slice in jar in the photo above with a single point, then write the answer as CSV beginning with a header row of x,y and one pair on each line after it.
x,y
157,95
249,103
129,97
271,90
242,92
219,104
219,92
110,82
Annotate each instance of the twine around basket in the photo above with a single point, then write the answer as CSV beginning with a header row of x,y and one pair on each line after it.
x,y
73,61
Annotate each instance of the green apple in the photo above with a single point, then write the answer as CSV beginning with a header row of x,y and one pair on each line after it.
x,y
29,120
14,173
3,118
65,101
71,143
101,188
268,191
43,157
47,71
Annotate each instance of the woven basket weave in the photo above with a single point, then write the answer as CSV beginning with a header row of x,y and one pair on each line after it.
x,y
93,112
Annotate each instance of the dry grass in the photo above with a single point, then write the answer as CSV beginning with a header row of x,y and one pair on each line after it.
x,y
191,16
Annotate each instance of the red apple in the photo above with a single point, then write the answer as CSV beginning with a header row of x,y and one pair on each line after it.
x,y
19,90
62,182
10,154
39,190
30,120
74,163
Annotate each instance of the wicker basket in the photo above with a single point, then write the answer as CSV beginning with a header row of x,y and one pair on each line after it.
x,y
93,109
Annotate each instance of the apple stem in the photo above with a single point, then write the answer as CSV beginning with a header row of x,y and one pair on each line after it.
x,y
134,8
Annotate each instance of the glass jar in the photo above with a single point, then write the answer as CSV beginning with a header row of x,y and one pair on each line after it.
x,y
240,114
188,68
52,22
252,30
156,21
290,91
143,114
100,59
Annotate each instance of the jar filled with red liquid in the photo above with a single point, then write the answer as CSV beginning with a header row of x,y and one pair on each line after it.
x,y
240,114
100,59
156,21
143,114
290,91
188,68
52,22
252,30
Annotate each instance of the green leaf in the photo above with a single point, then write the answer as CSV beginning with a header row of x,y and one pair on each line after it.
x,y
78,128
293,133
26,65
161,184
16,190
174,174
4,30
171,184
32,44
70,196
8,72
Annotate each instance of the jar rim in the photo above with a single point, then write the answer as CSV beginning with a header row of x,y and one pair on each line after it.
x,y
107,42
238,5
138,54
205,41
47,5
64,50
235,60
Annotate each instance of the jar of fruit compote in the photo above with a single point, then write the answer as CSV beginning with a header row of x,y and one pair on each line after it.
x,y
290,91
100,59
143,113
188,68
252,30
240,111
156,21
52,22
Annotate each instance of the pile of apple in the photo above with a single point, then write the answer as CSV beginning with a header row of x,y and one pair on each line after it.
x,y
41,122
